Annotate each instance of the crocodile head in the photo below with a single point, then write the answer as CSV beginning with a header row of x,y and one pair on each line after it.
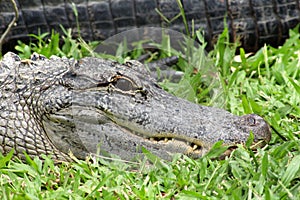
x,y
95,105
100,104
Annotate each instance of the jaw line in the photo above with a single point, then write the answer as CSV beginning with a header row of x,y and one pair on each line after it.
x,y
191,147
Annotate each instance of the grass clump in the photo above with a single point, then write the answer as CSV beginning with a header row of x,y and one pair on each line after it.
x,y
265,83
55,44
244,175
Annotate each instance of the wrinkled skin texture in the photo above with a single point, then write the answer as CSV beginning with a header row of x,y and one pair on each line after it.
x,y
60,105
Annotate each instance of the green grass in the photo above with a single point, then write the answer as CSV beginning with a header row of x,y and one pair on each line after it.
x,y
266,83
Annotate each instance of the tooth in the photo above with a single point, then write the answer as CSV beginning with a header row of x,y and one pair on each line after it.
x,y
152,139
195,147
166,139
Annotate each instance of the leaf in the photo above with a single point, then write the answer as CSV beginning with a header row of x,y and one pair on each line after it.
x,y
250,139
265,165
291,170
7,158
151,157
192,194
246,106
217,150
255,107
296,86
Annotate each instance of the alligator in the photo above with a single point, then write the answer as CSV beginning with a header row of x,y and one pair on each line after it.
x,y
253,22
58,105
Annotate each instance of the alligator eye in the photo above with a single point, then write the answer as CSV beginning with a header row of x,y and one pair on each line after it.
x,y
124,84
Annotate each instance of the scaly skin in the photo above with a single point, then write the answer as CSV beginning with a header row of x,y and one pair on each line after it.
x,y
60,105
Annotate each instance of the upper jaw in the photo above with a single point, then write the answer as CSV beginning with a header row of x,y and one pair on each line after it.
x,y
258,126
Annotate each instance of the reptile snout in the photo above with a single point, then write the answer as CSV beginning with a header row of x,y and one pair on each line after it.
x,y
259,127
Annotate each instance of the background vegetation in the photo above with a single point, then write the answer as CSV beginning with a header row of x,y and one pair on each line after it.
x,y
265,82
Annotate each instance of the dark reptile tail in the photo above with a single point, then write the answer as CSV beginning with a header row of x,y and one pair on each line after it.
x,y
254,22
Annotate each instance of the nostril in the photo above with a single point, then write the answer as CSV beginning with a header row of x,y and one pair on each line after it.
x,y
251,121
